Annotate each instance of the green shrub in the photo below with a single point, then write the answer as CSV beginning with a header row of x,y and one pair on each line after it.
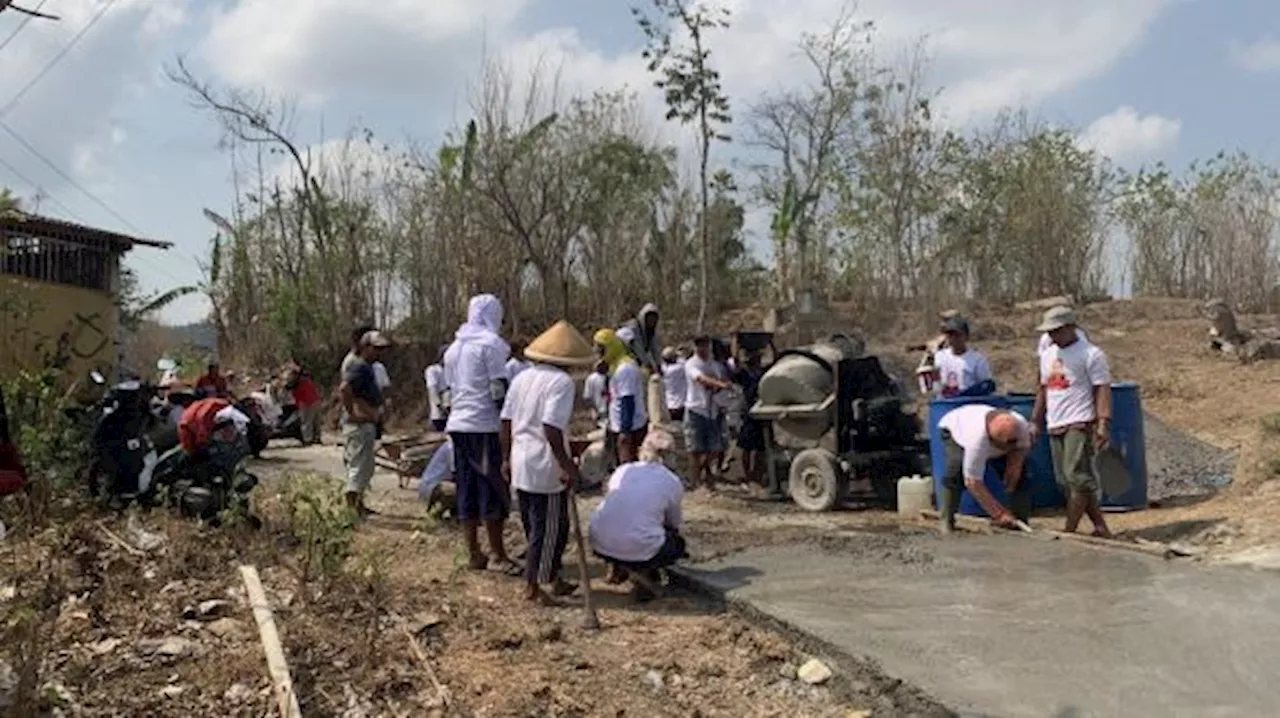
x,y
321,520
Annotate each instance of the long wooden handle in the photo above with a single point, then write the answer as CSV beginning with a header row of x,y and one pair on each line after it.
x,y
589,619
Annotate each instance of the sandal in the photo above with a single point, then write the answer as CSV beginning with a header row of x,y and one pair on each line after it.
x,y
507,567
563,588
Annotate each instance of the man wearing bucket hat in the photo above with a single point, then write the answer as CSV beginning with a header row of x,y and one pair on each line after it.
x,y
536,453
1074,402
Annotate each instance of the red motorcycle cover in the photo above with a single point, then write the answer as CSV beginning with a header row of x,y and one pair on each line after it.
x,y
195,427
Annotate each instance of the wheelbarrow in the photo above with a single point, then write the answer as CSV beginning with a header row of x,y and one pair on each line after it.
x,y
408,456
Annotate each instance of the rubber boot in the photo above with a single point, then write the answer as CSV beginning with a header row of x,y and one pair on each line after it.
x,y
948,507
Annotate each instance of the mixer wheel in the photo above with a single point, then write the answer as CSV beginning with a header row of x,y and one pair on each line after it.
x,y
816,481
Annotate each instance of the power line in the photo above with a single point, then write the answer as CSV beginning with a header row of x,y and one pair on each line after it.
x,y
68,178
25,19
106,5
40,190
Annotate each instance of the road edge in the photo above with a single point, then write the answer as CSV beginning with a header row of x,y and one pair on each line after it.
x,y
857,678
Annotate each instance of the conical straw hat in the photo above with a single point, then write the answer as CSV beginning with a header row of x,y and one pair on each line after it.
x,y
562,345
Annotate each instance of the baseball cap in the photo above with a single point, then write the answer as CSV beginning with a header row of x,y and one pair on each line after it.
x,y
955,325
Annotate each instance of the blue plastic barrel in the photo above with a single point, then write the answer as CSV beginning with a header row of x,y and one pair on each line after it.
x,y
939,408
1045,493
1129,438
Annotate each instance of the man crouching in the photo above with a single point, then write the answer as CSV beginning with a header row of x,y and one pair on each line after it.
x,y
637,527
972,436
536,458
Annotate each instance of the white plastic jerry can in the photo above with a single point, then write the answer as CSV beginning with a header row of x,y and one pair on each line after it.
x,y
915,494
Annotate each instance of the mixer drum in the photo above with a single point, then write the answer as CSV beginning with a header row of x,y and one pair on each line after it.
x,y
796,379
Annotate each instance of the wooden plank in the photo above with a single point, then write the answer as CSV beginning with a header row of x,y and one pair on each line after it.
x,y
276,663
1151,548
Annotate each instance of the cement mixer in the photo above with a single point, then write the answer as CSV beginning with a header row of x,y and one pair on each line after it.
x,y
835,418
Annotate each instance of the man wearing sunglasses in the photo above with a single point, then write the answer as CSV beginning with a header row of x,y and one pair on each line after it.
x,y
972,437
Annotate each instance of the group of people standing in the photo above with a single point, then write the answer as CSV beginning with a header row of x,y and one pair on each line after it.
x,y
507,412
1072,404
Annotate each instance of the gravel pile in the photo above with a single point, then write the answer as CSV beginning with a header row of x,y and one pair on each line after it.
x,y
1179,464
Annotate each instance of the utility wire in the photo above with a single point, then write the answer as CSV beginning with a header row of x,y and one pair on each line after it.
x,y
4,126
25,19
106,5
17,173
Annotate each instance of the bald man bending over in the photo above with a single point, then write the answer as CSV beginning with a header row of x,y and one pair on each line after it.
x,y
972,436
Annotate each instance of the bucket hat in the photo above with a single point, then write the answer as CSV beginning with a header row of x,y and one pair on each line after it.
x,y
1057,318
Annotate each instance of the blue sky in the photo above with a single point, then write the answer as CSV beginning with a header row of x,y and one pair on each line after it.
x,y
1143,80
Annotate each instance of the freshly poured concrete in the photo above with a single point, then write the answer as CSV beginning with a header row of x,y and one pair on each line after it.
x,y
1008,626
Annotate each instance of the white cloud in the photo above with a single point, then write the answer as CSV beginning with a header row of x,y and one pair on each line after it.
x,y
72,114
1258,56
314,48
988,55
1127,136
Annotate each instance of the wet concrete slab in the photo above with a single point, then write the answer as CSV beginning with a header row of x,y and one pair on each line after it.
x,y
1011,627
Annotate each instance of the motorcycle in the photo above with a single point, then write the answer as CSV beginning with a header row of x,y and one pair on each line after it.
x,y
213,481
124,456
259,430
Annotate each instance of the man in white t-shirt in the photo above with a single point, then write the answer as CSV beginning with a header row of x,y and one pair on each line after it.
x,y
595,393
1074,402
535,418
674,382
959,369
972,436
637,527
437,391
704,424
517,362
475,371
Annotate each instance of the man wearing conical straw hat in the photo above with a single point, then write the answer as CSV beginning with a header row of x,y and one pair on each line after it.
x,y
535,419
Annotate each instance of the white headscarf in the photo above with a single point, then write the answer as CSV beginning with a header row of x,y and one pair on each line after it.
x,y
484,319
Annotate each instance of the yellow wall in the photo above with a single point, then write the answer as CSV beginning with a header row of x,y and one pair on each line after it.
x,y
36,316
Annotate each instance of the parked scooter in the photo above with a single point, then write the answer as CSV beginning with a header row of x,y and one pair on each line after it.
x,y
124,456
213,479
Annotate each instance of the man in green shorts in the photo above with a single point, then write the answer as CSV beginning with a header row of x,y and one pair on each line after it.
x,y
1074,401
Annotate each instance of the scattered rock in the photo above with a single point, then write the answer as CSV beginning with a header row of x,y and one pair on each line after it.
x,y
7,593
238,693
858,714
172,691
55,695
168,647
788,670
551,633
426,621
653,679
105,646
208,610
225,628
142,539
814,672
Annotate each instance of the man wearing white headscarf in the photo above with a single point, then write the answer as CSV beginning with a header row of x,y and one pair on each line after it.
x,y
475,372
